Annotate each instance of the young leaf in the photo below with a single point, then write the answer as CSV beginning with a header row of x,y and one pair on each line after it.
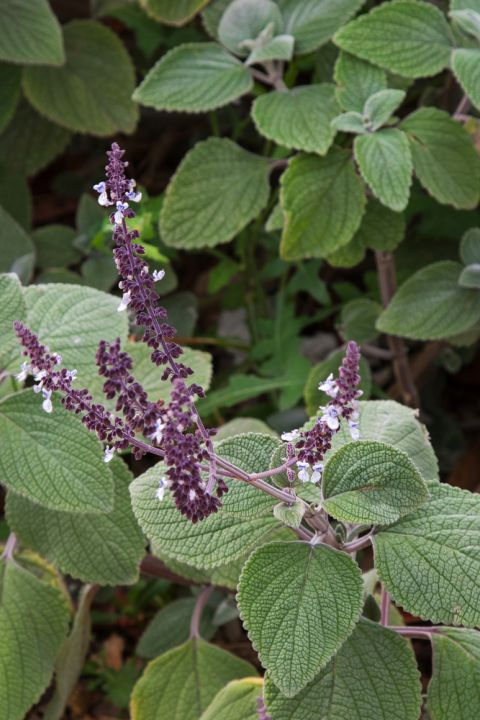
x,y
370,483
411,38
290,515
323,201
246,20
12,307
453,689
172,13
350,122
466,68
182,682
278,48
356,81
236,701
435,547
91,92
314,397
17,252
358,318
313,22
10,91
217,189
31,34
34,619
364,680
431,305
103,548
470,247
195,77
380,106
444,157
298,118
298,603
470,276
385,162
468,20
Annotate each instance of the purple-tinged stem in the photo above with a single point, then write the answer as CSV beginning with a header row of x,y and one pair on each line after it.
x,y
9,548
200,603
422,633
384,605
304,534
359,543
274,471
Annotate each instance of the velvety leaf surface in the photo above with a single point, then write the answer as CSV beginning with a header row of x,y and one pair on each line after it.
x,y
17,252
466,67
31,34
470,247
236,701
12,307
313,22
10,90
357,320
177,13
381,228
298,603
385,162
380,106
356,81
245,20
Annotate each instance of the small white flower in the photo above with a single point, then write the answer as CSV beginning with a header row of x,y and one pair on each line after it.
x,y
354,428
290,436
58,358
134,196
108,454
316,475
72,374
303,473
329,386
330,416
47,403
119,215
39,376
157,434
158,275
103,200
192,495
163,484
24,371
125,301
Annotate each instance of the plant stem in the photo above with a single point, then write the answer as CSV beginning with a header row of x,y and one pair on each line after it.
x,y
462,108
198,610
384,605
359,543
388,285
424,633
9,548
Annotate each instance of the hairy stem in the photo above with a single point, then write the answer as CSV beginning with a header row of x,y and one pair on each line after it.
x,y
359,543
201,601
9,548
384,605
412,631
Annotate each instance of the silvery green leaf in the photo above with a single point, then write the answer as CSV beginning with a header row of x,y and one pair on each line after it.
x,y
470,247
172,13
236,701
381,105
351,122
290,515
356,81
279,47
470,276
12,307
31,33
245,20
468,20
465,65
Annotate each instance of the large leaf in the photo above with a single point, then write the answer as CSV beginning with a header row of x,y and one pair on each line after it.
x,y
408,37
52,459
363,681
17,253
33,624
195,77
217,189
101,548
245,20
181,683
242,387
31,34
431,305
466,66
12,307
10,90
435,548
15,196
91,92
369,482
236,701
323,201
444,157
385,162
212,14
298,603
453,691
244,520
356,81
313,22
172,12
298,118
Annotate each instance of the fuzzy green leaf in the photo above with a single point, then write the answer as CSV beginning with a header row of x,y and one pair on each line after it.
x,y
357,320
348,255
369,482
468,20
470,247
17,252
33,624
374,675
12,307
31,34
314,397
181,683
466,67
444,157
470,276
381,228
298,118
356,81
299,604
411,38
236,701
453,691
54,246
175,13
245,20
91,92
385,162
350,122
10,90
380,106
195,77
217,189
278,48
323,201
242,425
435,547
431,305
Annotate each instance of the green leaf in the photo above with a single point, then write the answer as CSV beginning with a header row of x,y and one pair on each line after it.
x,y
236,701
389,422
381,229
99,272
290,515
444,157
12,307
54,247
468,20
313,22
357,320
171,627
356,81
314,397
381,105
17,253
453,689
33,624
298,118
431,305
470,247
10,90
217,189
241,425
369,483
466,68
195,77
323,201
278,48
385,162
212,14
30,142
364,680
91,92
175,13
348,255
182,682
244,520
99,548
411,38
350,122
52,459
245,20
470,276
298,603
15,197
435,547
31,34
244,387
